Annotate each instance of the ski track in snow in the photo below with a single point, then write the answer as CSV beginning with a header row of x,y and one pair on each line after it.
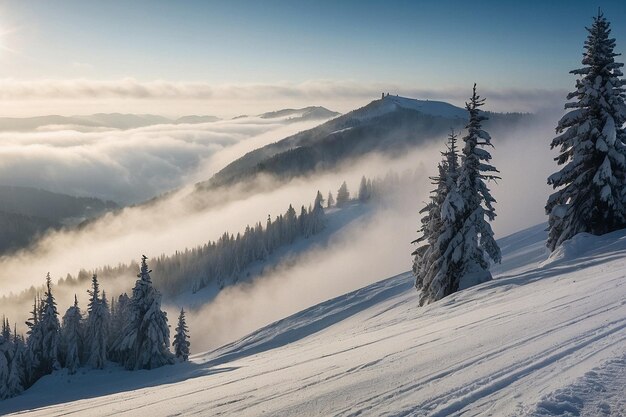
x,y
600,392
542,339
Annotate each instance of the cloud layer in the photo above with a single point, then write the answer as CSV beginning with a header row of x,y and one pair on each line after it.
x,y
132,165
337,94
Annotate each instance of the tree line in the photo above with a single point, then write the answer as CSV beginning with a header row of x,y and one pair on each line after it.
x,y
225,261
132,331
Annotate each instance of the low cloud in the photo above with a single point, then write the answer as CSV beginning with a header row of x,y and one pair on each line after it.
x,y
132,165
522,155
343,95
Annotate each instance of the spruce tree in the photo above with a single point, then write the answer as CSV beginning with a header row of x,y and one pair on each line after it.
x,y
364,192
464,239
317,218
5,363
72,336
181,343
119,318
303,221
97,327
291,224
50,329
474,243
330,201
433,268
145,339
343,195
591,185
17,371
34,342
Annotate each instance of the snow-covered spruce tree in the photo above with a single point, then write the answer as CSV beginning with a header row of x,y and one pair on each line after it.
x,y
465,240
592,183
146,337
17,373
5,362
72,337
432,266
34,343
97,328
50,330
11,363
181,343
474,243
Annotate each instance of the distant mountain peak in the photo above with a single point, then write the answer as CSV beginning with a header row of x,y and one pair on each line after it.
x,y
389,103
306,113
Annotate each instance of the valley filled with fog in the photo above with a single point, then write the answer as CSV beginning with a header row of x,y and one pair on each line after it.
x,y
156,167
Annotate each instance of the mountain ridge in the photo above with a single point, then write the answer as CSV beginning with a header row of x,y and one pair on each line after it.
x,y
125,121
389,125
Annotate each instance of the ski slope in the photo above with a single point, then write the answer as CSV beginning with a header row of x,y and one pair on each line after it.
x,y
546,337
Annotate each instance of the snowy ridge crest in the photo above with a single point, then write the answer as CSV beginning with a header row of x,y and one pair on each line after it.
x,y
389,104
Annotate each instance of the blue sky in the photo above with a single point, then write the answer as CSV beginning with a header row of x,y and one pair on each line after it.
x,y
436,45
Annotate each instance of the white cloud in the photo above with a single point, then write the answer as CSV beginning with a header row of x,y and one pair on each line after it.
x,y
232,98
132,165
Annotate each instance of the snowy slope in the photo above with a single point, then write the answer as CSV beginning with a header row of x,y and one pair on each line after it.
x,y
392,103
544,338
388,125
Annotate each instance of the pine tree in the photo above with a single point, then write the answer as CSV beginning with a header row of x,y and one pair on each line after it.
x,y
343,195
592,184
303,222
6,328
181,344
475,243
291,224
317,218
119,318
50,329
5,364
17,371
464,239
72,336
145,340
330,201
97,327
364,191
433,268
34,342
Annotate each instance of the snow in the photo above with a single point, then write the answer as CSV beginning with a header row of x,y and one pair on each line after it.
x,y
433,108
340,131
392,103
336,220
600,392
542,338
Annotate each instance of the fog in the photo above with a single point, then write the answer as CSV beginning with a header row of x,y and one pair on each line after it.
x,y
175,223
319,274
377,246
130,166
187,218
39,97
